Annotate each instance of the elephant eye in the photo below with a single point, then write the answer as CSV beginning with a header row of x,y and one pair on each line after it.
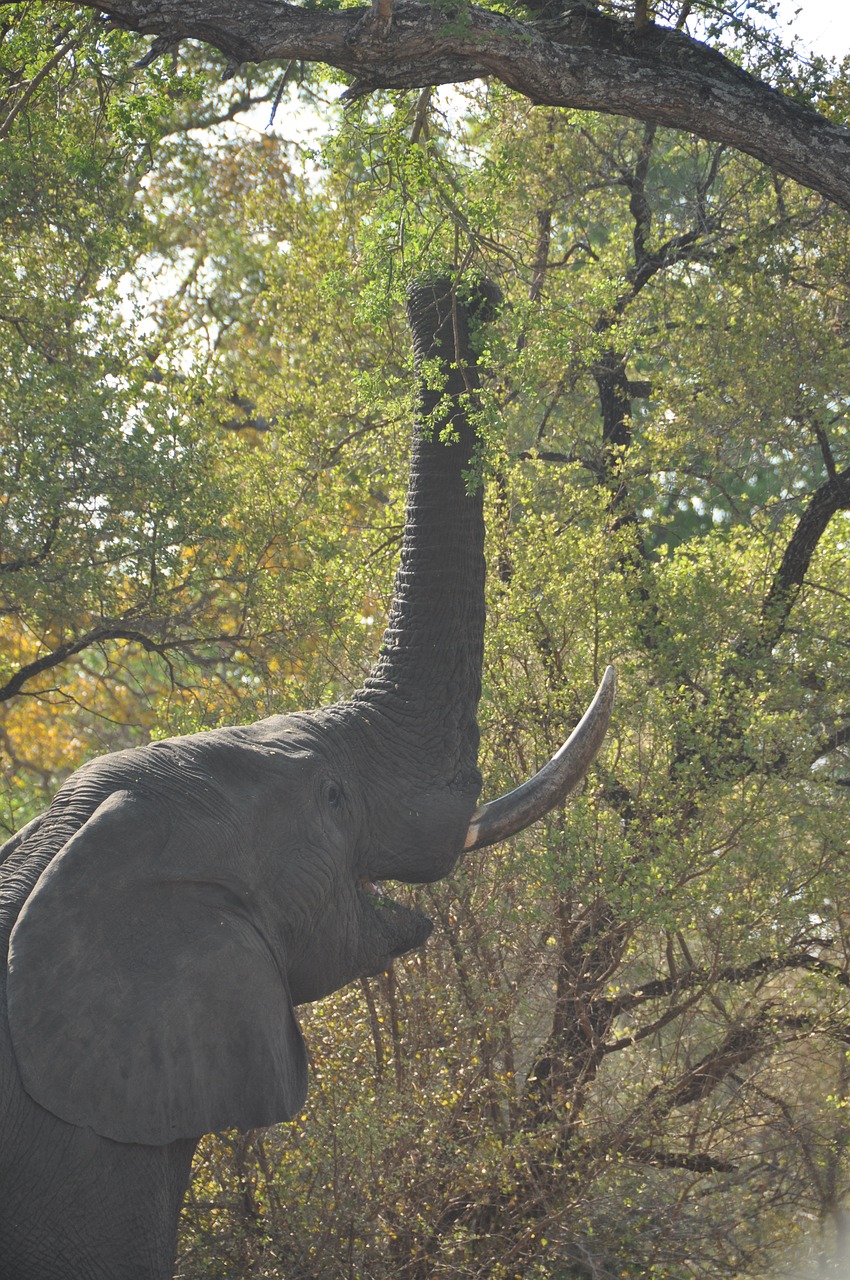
x,y
334,794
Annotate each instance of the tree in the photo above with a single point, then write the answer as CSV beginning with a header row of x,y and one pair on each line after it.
x,y
119,571
611,58
624,1051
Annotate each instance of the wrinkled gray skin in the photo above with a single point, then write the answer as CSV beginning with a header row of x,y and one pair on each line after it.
x,y
174,903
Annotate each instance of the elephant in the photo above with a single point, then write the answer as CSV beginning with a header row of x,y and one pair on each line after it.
x,y
163,918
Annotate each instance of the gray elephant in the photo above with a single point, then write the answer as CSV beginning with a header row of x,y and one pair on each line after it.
x,y
167,912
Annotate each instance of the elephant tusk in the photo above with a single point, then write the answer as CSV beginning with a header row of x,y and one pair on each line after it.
x,y
525,804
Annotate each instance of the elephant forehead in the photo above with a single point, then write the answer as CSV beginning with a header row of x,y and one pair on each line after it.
x,y
217,778
230,809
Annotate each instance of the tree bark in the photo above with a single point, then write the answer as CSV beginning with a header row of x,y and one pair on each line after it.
x,y
579,59
832,496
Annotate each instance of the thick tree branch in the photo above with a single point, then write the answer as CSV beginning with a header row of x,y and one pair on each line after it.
x,y
742,1043
736,975
63,652
580,59
693,1161
832,496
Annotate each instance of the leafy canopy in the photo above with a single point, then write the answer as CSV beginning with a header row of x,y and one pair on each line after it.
x,y
624,1051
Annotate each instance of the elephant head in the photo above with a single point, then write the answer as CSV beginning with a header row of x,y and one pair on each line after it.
x,y
180,898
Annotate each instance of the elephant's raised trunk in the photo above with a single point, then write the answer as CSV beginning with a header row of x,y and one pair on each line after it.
x,y
428,673
426,683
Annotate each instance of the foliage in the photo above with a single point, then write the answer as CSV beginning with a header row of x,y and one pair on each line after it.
x,y
624,1051
124,578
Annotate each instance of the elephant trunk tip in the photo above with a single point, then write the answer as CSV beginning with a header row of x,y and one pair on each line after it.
x,y
443,312
515,811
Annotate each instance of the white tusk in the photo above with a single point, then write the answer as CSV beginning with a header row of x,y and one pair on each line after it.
x,y
525,804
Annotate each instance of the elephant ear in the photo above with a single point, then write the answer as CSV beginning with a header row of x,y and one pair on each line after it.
x,y
144,1002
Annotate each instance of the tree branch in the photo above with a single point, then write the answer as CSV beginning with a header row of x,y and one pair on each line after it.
x,y
36,557
98,635
33,84
832,496
580,59
734,975
692,1161
840,738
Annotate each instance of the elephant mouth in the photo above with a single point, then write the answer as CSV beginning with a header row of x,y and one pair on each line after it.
x,y
402,928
